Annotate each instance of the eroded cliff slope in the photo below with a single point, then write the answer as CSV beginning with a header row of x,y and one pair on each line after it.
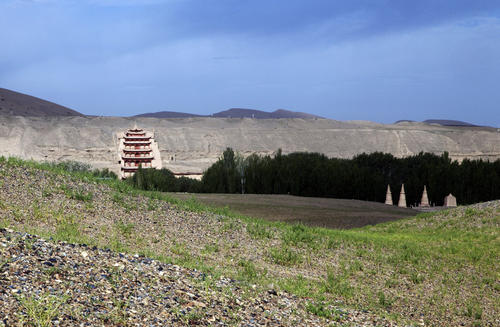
x,y
192,144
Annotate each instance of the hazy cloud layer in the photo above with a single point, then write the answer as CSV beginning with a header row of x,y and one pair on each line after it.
x,y
373,60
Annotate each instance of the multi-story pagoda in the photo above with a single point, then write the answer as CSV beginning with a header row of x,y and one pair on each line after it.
x,y
137,148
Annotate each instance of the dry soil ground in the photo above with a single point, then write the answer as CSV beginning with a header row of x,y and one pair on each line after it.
x,y
318,212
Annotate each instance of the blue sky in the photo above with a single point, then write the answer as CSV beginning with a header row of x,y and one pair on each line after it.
x,y
372,60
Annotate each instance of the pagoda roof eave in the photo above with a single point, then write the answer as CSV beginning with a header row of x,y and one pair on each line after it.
x,y
138,158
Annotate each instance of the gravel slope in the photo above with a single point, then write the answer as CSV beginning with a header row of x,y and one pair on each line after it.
x,y
44,282
66,285
91,286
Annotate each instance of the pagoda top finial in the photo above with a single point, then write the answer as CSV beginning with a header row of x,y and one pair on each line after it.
x,y
135,128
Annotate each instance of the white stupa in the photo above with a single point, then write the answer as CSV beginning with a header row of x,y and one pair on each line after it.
x,y
388,196
402,197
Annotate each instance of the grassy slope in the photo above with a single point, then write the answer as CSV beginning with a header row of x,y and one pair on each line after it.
x,y
441,268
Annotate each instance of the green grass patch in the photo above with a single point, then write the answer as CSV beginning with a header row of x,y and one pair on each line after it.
x,y
259,231
40,310
77,194
299,234
298,285
324,310
284,256
247,271
338,283
125,229
473,310
211,248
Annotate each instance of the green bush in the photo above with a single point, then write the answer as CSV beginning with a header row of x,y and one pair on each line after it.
x,y
162,180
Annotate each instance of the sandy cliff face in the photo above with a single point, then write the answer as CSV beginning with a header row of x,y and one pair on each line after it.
x,y
192,144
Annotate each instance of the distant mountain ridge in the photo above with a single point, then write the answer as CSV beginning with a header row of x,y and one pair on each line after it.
x,y
168,114
19,104
447,122
442,122
259,114
234,113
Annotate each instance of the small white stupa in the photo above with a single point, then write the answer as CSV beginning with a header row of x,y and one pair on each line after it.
x,y
425,200
388,196
402,197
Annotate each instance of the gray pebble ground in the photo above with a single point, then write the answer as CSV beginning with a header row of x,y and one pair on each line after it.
x,y
94,287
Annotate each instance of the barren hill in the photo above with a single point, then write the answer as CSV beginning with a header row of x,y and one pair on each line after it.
x,y
447,122
18,104
259,114
234,113
192,144
167,114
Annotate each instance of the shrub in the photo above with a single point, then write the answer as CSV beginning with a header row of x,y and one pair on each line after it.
x,y
72,166
162,180
104,174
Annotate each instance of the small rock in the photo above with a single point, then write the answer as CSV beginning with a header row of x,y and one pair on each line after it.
x,y
198,304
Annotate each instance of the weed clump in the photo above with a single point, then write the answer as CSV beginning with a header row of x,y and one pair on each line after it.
x,y
77,194
285,256
259,231
41,310
338,284
247,270
299,234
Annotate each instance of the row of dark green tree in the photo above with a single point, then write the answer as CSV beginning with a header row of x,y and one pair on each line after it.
x,y
365,177
163,180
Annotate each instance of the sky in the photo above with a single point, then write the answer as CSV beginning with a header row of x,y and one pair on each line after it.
x,y
377,60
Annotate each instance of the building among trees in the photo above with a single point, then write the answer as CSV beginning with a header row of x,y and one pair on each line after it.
x,y
137,147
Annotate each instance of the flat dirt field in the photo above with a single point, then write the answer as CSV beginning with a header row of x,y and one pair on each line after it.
x,y
319,212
